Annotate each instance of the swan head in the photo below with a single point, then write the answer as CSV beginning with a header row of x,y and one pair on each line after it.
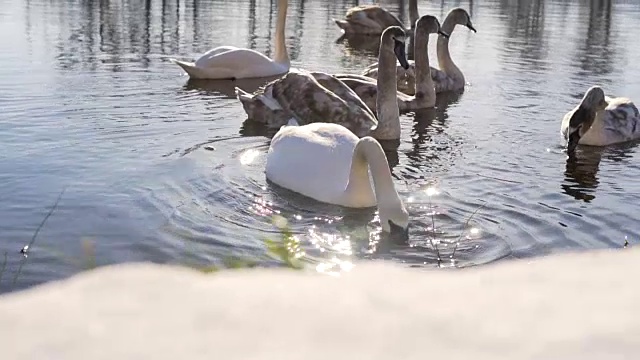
x,y
584,115
395,220
428,24
460,16
394,37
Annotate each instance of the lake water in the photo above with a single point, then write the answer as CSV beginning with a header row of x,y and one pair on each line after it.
x,y
152,167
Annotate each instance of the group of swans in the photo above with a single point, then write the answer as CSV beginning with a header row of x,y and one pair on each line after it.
x,y
326,161
365,19
326,145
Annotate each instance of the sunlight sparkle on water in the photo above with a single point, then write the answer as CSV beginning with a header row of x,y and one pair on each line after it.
x,y
332,242
430,191
249,156
262,207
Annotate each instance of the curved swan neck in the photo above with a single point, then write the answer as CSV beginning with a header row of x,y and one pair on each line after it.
x,y
368,154
281,55
442,49
413,12
387,109
425,94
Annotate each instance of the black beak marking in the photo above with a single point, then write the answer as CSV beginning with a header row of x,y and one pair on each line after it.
x,y
399,231
399,50
440,32
471,27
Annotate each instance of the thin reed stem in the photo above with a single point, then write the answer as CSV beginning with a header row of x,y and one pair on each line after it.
x,y
464,229
35,235
433,230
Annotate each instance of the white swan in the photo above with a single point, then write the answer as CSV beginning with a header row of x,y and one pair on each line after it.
x,y
425,95
374,19
449,77
600,120
328,163
230,62
319,97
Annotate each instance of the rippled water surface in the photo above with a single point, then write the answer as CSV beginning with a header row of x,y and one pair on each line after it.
x,y
152,167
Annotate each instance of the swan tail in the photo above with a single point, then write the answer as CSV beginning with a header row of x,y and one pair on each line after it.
x,y
292,122
189,68
243,95
262,108
248,101
344,25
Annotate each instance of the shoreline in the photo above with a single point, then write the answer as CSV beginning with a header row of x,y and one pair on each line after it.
x,y
576,305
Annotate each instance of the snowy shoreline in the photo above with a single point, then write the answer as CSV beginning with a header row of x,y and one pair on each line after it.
x,y
567,306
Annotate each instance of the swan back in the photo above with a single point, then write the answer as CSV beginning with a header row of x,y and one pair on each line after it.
x,y
368,20
315,160
367,89
297,94
342,90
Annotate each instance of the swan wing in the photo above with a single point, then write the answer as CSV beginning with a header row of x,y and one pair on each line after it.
x,y
367,89
368,19
313,160
304,98
442,81
219,50
372,16
621,120
238,63
344,92
405,78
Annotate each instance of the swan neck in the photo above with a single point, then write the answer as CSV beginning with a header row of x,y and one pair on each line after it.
x,y
387,109
425,94
442,49
368,155
281,55
413,12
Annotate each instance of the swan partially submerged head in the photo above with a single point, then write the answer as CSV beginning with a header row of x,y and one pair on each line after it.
x,y
396,35
582,118
395,220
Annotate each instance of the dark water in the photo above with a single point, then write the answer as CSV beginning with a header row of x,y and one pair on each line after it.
x,y
91,105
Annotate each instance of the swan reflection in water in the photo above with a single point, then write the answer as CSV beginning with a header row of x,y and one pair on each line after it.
x,y
581,169
227,87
